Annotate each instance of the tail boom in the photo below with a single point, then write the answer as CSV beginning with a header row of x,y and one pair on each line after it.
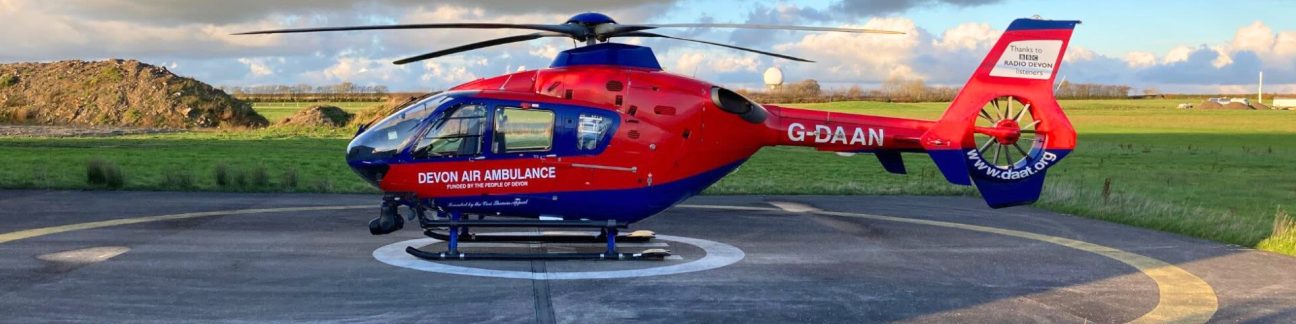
x,y
842,132
1018,72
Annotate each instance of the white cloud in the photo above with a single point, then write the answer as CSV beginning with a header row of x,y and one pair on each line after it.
x,y
1140,59
192,38
1223,59
545,51
1275,49
1285,45
1225,66
1076,53
256,67
1255,37
969,36
849,57
45,35
361,70
199,35
709,61
1178,54
452,71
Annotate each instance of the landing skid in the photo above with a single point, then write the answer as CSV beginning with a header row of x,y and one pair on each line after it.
x,y
651,254
632,237
456,230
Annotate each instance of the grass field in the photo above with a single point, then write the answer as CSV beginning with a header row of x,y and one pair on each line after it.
x,y
275,111
1221,175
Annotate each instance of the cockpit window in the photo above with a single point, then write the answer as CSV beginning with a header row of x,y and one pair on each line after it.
x,y
384,139
459,134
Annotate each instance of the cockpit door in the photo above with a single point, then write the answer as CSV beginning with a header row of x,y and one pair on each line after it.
x,y
457,135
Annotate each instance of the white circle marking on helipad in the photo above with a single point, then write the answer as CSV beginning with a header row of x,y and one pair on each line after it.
x,y
717,255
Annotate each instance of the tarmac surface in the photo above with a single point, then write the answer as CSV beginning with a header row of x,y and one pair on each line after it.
x,y
132,256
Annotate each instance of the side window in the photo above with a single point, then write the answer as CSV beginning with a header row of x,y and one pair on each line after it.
x,y
523,130
590,131
459,134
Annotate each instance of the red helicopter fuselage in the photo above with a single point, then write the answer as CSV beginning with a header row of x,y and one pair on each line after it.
x,y
670,132
605,134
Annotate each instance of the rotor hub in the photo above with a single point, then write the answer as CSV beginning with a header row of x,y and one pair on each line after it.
x,y
590,19
1009,132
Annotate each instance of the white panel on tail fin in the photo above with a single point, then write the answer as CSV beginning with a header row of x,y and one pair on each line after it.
x,y
1028,59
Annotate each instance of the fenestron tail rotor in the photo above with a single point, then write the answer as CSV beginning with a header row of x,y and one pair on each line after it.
x,y
1002,149
590,28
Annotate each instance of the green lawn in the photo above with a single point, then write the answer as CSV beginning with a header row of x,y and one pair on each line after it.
x,y
290,160
275,111
1220,175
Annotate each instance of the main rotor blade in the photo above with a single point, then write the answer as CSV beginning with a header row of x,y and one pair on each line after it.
x,y
776,27
646,34
477,45
564,29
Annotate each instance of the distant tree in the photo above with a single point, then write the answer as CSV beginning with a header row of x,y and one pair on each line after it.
x,y
1068,90
805,88
854,92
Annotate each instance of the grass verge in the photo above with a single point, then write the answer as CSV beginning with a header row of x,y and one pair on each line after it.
x,y
1283,239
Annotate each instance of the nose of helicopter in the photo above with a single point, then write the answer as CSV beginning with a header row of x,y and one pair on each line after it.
x,y
367,161
376,147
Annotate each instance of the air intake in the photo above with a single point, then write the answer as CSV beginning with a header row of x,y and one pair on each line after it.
x,y
736,104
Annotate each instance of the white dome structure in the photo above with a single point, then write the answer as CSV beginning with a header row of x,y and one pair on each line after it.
x,y
773,77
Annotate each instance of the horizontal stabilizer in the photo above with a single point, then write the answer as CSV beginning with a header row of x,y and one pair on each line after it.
x,y
891,161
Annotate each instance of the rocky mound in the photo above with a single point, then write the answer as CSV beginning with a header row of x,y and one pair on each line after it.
x,y
1210,105
1237,106
317,116
115,93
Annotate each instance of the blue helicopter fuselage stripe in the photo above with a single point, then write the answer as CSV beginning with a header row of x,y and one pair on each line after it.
x,y
622,205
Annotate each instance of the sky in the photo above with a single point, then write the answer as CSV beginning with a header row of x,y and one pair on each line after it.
x,y
1171,46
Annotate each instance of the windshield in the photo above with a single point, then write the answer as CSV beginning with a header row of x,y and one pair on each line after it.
x,y
457,135
384,139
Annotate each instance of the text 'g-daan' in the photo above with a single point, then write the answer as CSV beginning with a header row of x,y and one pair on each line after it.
x,y
824,134
487,175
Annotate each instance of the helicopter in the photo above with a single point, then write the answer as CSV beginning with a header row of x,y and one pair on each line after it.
x,y
604,138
